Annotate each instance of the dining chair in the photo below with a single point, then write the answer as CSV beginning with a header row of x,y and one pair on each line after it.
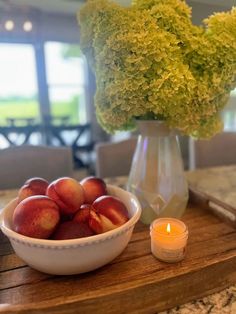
x,y
19,163
218,151
114,158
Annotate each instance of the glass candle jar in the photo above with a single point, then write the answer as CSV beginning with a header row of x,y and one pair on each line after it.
x,y
168,239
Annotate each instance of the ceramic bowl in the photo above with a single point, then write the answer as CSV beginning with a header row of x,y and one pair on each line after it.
x,y
67,257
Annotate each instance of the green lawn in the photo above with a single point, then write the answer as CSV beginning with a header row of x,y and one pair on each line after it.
x,y
30,109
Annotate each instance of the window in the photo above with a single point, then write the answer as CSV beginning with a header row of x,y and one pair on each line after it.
x,y
18,85
229,113
65,84
65,69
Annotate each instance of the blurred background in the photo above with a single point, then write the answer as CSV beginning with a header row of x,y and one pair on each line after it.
x,y
46,87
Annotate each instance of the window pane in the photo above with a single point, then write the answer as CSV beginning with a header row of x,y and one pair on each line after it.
x,y
229,113
64,64
18,92
233,93
66,81
67,102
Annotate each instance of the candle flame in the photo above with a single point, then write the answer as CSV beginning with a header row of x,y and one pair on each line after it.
x,y
168,228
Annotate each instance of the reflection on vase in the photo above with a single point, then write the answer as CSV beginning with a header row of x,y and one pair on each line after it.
x,y
157,176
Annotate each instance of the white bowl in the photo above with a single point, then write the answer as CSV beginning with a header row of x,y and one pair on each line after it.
x,y
67,257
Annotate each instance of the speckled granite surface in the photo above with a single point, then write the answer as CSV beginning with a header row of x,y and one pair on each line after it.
x,y
223,302
220,182
6,196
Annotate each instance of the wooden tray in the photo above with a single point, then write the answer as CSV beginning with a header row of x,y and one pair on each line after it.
x,y
135,282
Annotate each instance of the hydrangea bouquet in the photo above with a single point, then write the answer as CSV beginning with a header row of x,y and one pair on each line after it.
x,y
151,62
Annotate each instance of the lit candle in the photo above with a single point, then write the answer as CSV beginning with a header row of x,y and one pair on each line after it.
x,y
168,239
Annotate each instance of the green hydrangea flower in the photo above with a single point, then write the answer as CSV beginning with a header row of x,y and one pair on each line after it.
x,y
151,62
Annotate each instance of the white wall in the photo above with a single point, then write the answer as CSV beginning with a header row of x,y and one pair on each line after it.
x,y
201,11
46,27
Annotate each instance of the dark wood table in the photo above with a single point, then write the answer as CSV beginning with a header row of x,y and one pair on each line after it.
x,y
13,134
80,143
78,137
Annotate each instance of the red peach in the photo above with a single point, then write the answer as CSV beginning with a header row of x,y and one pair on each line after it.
x,y
33,186
109,214
83,214
36,217
93,188
72,230
96,223
67,193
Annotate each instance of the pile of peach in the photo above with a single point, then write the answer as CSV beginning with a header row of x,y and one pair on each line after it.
x,y
66,209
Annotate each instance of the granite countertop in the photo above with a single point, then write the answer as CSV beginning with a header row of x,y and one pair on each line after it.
x,y
219,182
223,302
216,181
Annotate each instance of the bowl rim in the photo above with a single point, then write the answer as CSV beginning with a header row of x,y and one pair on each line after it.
x,y
48,243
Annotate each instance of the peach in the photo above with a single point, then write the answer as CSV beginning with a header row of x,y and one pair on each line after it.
x,y
72,230
36,217
93,188
109,213
96,223
33,186
67,193
83,214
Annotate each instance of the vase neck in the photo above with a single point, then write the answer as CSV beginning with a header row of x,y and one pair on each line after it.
x,y
154,128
